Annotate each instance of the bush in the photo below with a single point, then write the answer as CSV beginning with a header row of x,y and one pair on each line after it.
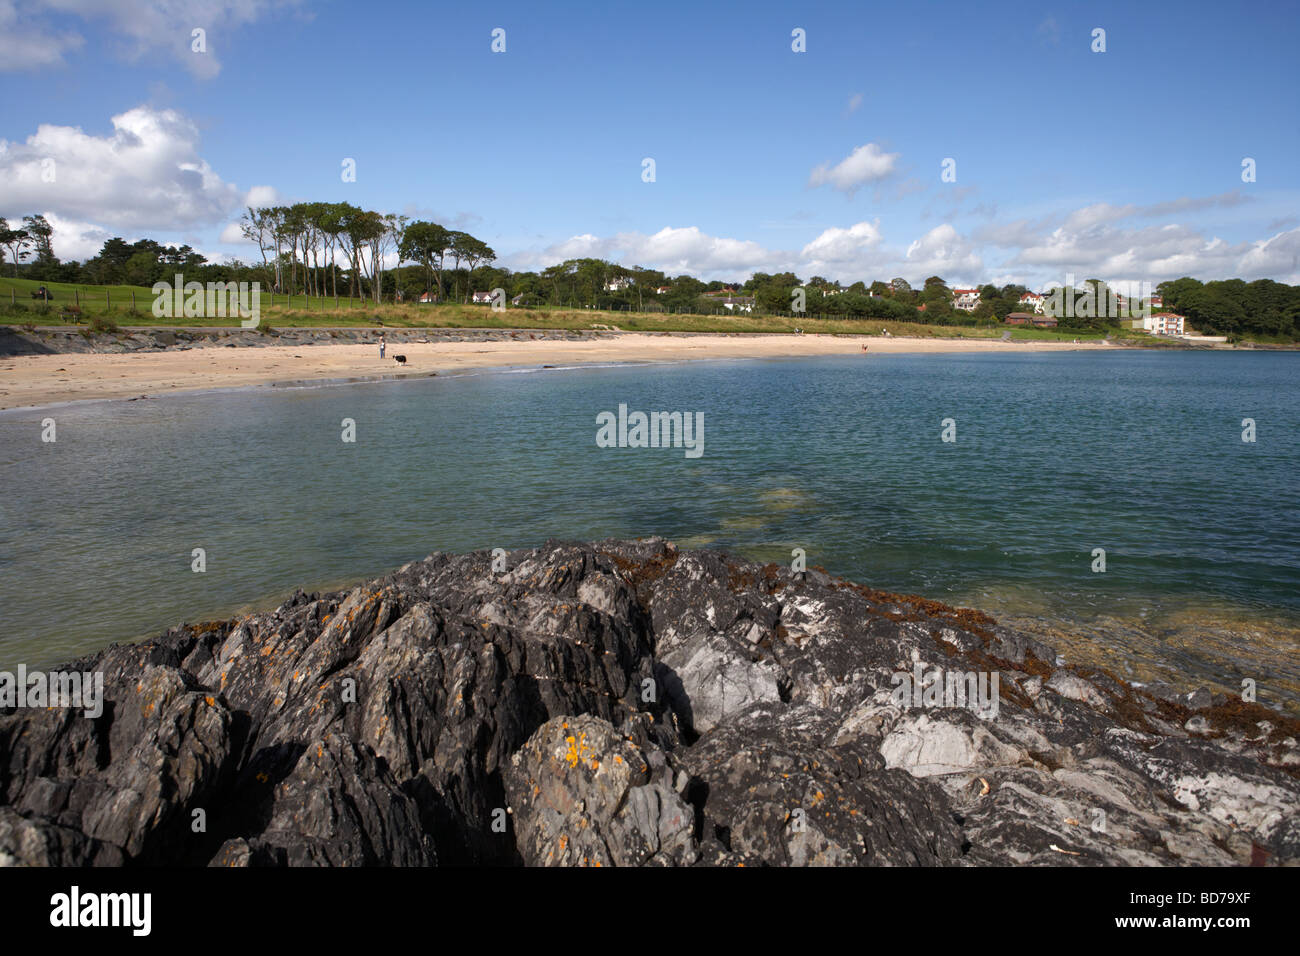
x,y
99,323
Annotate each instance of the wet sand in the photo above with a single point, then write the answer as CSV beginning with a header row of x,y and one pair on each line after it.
x,y
36,380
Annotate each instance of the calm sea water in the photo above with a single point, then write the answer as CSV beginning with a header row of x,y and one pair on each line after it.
x,y
1138,453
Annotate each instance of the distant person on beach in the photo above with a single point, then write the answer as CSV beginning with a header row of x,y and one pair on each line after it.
x,y
382,344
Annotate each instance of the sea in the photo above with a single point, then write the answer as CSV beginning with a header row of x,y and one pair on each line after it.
x,y
1139,510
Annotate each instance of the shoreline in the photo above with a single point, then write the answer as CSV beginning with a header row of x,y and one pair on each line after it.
x,y
43,380
1227,638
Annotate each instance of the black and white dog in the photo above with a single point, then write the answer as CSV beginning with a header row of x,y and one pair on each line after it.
x,y
399,359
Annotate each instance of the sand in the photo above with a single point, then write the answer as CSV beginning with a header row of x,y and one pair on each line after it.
x,y
37,380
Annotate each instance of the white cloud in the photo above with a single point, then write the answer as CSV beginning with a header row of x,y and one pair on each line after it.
x,y
260,196
865,164
26,44
846,254
944,252
854,102
76,240
1088,245
1272,257
141,27
674,250
683,248
836,245
1034,256
233,235
146,175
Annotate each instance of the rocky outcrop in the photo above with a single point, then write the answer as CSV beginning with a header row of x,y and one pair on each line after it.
x,y
624,703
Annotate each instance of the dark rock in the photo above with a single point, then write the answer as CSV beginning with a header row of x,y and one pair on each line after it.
x,y
621,703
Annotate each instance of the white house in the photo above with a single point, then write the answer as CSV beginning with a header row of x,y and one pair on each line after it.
x,y
428,297
738,303
618,285
1033,299
1161,323
662,289
483,297
965,299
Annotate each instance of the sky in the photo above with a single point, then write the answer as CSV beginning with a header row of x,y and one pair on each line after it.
x,y
990,142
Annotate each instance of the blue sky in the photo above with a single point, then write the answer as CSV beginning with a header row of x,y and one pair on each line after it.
x,y
1125,164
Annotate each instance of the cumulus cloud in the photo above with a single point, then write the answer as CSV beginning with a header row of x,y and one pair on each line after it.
x,y
1092,245
678,247
836,245
944,252
844,253
676,250
1092,242
147,174
864,165
72,239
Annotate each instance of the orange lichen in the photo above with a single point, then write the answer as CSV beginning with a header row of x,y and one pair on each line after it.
x,y
577,750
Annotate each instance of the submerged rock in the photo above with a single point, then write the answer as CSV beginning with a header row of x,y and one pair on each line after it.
x,y
623,703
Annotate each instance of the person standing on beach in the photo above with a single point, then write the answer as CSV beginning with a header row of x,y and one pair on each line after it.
x,y
382,344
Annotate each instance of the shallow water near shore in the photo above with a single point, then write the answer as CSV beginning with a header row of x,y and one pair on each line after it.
x,y
1138,453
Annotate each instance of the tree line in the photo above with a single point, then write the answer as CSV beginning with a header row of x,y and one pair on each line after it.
x,y
334,249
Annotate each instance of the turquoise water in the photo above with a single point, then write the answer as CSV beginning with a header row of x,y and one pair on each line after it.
x,y
1139,453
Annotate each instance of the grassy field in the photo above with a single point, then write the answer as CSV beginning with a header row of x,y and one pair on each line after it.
x,y
79,305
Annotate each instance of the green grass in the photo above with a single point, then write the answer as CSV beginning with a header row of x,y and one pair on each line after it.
x,y
114,303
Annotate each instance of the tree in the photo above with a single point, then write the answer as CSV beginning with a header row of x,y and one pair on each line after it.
x,y
936,296
1174,293
426,243
140,269
40,231
255,226
376,233
476,252
16,241
397,226
358,227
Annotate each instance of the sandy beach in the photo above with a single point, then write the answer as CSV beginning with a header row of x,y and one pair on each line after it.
x,y
37,380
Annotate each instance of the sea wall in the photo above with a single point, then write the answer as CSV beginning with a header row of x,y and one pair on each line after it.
x,y
14,341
